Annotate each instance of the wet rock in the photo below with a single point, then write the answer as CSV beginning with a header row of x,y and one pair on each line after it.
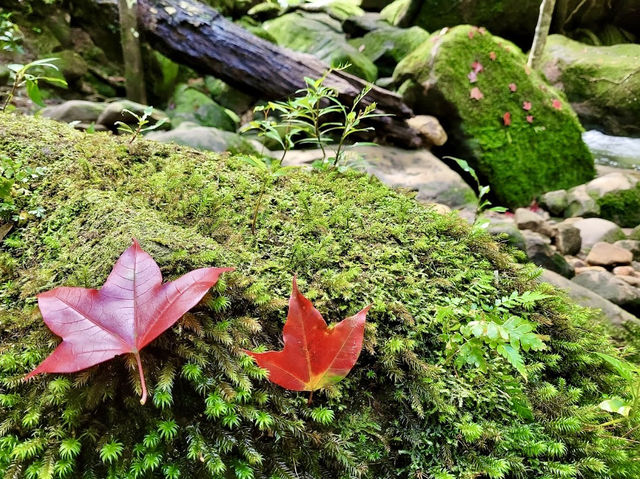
x,y
75,110
594,230
581,203
585,297
204,138
610,287
607,254
429,128
540,253
568,240
555,202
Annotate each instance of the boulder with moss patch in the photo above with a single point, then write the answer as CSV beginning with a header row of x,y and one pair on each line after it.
x,y
602,83
517,132
322,36
386,47
409,405
189,104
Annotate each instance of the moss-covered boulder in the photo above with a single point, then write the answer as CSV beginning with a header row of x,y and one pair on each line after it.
x,y
519,133
387,46
322,36
189,104
602,83
427,397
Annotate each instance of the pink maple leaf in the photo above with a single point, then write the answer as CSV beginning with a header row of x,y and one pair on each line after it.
x,y
472,76
476,94
557,104
477,66
513,87
493,56
530,118
471,34
526,105
506,118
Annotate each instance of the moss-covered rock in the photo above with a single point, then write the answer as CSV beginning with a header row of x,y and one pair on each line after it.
x,y
602,83
189,104
409,406
518,133
322,36
621,207
387,46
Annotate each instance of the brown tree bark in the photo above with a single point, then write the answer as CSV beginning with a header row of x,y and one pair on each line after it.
x,y
130,41
196,35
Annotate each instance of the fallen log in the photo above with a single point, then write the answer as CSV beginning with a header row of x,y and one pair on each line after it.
x,y
196,35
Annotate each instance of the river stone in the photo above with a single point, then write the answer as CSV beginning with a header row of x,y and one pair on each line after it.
x,y
568,240
204,138
630,245
519,161
75,110
624,271
602,83
611,183
587,298
607,254
415,170
540,253
528,220
429,128
504,226
594,230
611,288
581,203
555,202
321,36
114,112
360,25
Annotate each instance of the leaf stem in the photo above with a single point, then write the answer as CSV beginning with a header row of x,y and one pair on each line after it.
x,y
310,400
143,399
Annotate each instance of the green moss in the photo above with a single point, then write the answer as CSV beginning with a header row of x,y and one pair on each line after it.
x,y
405,409
189,104
621,207
520,161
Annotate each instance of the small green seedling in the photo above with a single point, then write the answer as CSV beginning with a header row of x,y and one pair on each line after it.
x,y
141,127
22,75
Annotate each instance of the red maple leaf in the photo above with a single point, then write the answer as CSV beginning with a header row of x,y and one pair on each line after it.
x,y
476,94
513,87
526,106
131,309
472,76
314,355
557,104
506,118
477,66
493,56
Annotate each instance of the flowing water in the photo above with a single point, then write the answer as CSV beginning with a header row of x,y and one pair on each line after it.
x,y
618,151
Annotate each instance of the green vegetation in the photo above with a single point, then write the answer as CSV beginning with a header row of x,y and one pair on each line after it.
x,y
28,76
438,390
541,148
621,207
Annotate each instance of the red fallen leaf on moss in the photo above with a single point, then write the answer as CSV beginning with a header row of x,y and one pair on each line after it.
x,y
513,87
506,118
493,56
557,104
472,76
314,355
476,94
526,105
530,118
477,66
471,34
131,309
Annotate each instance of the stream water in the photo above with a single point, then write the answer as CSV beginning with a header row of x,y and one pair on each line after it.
x,y
618,151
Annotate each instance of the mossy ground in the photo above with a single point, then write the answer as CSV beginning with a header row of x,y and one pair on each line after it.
x,y
405,410
519,161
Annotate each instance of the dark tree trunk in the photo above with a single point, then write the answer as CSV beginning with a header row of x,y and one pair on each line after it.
x,y
196,35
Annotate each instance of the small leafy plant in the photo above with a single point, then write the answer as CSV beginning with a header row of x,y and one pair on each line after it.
x,y
314,355
627,409
97,325
10,37
315,117
142,125
270,170
14,188
28,76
